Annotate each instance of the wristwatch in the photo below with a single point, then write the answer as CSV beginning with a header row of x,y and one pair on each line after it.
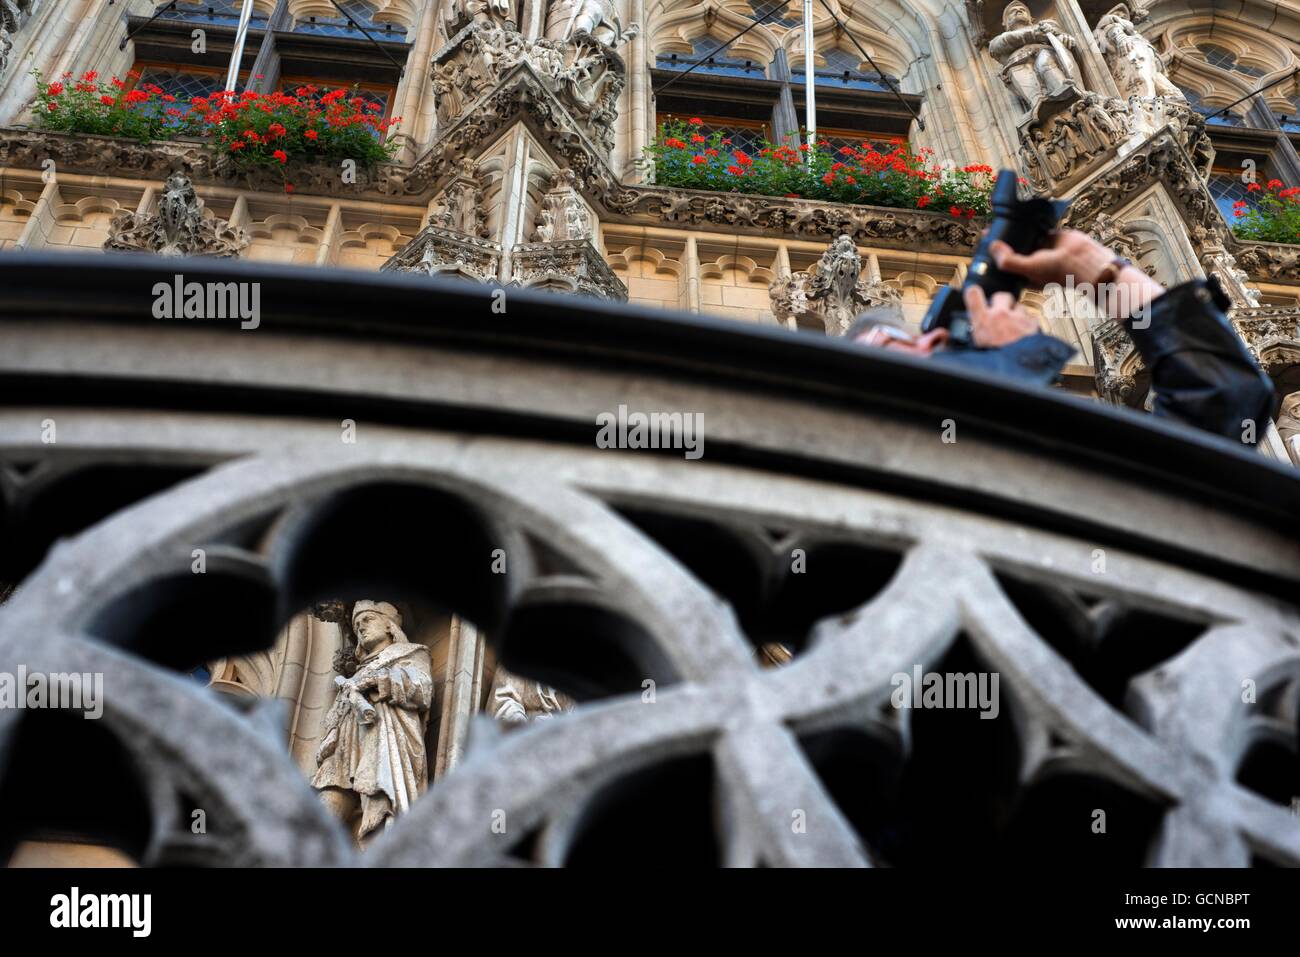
x,y
1110,272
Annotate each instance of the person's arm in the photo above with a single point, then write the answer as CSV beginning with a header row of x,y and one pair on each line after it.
x,y
1201,371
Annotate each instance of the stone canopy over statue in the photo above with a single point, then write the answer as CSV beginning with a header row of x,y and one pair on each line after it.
x,y
371,763
1037,59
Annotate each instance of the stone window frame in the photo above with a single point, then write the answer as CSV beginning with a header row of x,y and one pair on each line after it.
x,y
338,26
330,60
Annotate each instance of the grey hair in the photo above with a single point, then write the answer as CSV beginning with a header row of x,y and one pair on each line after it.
x,y
876,316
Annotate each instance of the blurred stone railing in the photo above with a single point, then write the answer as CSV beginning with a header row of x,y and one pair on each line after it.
x,y
1131,584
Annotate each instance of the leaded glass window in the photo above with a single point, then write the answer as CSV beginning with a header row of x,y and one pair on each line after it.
x,y
356,13
705,49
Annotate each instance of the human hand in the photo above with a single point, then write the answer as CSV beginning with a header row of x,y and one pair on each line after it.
x,y
1072,253
997,323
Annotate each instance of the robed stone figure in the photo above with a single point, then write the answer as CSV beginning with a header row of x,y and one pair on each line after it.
x,y
371,763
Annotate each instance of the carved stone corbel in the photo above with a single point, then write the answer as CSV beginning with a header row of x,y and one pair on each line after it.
x,y
178,228
1116,363
833,294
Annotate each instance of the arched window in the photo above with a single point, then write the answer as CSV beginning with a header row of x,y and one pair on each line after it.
x,y
358,13
1223,119
705,48
1290,119
1227,187
789,15
843,69
209,11
1225,59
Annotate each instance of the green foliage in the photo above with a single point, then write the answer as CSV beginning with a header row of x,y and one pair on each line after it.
x,y
1274,216
864,174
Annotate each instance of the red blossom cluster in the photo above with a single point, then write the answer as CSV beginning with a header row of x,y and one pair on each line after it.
x,y
309,125
1271,215
866,173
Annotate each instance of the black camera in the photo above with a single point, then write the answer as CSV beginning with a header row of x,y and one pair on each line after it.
x,y
1023,224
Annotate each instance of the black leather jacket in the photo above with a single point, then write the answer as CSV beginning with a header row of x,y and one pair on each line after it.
x,y
1201,371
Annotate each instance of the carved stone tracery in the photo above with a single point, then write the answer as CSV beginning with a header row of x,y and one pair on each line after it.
x,y
582,71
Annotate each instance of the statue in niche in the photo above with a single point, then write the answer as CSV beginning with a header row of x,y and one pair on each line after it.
x,y
1037,58
371,764
1133,61
515,700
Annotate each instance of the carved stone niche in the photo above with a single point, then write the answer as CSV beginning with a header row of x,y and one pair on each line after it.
x,y
581,70
833,293
454,243
1072,143
562,255
1116,363
460,208
178,228
1272,334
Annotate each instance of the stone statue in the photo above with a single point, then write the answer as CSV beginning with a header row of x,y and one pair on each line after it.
x,y
1133,61
178,228
516,700
371,764
835,294
1037,58
569,19
486,12
1102,127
